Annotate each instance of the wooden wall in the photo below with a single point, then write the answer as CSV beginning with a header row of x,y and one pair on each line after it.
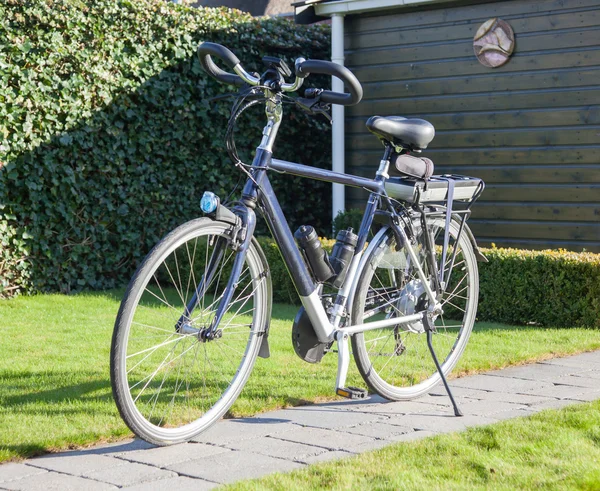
x,y
530,129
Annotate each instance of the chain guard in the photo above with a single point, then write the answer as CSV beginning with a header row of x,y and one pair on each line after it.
x,y
305,341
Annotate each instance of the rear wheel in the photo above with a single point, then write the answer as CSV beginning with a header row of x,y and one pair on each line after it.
x,y
169,381
395,361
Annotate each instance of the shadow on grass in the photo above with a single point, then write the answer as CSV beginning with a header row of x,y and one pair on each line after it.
x,y
23,387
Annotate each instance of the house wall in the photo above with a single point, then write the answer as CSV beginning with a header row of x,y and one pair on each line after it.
x,y
530,129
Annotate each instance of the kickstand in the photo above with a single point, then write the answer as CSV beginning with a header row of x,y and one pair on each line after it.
x,y
428,329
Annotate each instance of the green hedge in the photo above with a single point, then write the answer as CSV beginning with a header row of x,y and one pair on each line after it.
x,y
546,288
108,138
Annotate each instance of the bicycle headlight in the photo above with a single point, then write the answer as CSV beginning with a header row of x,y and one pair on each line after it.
x,y
209,202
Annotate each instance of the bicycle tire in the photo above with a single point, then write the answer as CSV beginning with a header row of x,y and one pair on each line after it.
x,y
413,372
168,384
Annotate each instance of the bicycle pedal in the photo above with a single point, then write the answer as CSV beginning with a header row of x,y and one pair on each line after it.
x,y
352,392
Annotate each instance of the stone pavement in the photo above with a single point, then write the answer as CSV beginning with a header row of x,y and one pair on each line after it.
x,y
291,439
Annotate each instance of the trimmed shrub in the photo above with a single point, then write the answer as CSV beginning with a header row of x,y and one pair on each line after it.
x,y
547,288
108,136
349,218
283,288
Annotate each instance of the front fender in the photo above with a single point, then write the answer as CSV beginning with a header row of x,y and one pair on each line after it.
x,y
264,351
224,214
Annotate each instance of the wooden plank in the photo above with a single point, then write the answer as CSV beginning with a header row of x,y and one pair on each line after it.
x,y
537,211
538,230
526,118
534,174
488,207
492,82
570,173
533,34
490,156
469,66
553,193
517,137
464,14
482,102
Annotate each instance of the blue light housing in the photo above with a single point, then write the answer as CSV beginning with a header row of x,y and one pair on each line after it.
x,y
209,202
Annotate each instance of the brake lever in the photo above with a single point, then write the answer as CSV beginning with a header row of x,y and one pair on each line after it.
x,y
314,106
323,109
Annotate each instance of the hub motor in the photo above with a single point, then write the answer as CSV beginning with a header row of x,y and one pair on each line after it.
x,y
411,300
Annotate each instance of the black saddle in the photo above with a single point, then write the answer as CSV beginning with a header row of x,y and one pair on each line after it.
x,y
414,134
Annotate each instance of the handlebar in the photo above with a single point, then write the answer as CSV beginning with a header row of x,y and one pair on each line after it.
x,y
329,68
303,68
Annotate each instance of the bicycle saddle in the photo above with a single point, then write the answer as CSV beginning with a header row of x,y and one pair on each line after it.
x,y
414,133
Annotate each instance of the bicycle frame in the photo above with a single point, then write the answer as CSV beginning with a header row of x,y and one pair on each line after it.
x,y
259,192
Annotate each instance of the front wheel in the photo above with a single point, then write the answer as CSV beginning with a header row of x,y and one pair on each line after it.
x,y
395,361
170,381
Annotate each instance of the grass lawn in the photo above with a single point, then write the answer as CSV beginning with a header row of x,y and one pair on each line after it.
x,y
549,450
54,383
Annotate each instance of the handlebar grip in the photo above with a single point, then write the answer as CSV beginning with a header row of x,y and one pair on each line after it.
x,y
335,70
206,50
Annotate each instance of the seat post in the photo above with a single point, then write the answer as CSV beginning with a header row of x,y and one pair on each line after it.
x,y
384,164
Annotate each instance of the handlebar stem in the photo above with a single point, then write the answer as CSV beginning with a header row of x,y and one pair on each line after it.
x,y
274,112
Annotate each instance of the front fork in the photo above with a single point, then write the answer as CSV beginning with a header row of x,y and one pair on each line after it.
x,y
248,226
243,235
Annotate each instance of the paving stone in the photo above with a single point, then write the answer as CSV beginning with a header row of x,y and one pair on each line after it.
x,y
130,445
275,447
554,404
500,384
477,394
247,465
574,361
165,456
517,413
588,374
319,418
399,407
442,423
10,472
52,481
327,456
566,392
405,437
76,465
329,439
439,392
378,430
577,382
589,357
129,474
440,399
232,430
489,408
412,436
586,396
180,483
370,446
351,405
537,371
